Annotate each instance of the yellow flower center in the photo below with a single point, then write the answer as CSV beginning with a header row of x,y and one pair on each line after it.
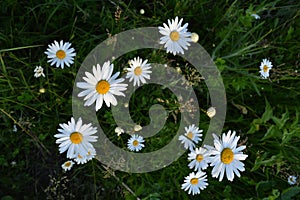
x,y
138,71
135,143
265,68
102,87
79,156
194,181
227,156
174,35
76,137
199,157
190,135
61,54
67,164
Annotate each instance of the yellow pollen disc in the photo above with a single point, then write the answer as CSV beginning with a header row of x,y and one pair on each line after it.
x,y
174,35
68,164
227,156
102,87
199,157
61,54
265,68
76,137
135,143
194,181
190,135
138,71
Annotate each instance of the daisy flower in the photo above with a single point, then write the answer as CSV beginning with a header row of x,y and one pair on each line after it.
x,y
137,127
135,143
119,131
75,137
226,156
67,165
38,71
101,86
175,37
211,112
191,136
194,37
138,71
89,156
292,180
265,67
199,159
195,182
60,54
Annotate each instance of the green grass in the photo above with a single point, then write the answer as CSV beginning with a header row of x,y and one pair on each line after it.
x,y
30,163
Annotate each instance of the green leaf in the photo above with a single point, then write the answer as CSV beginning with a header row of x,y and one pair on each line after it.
x,y
290,192
268,112
272,133
255,126
281,122
264,186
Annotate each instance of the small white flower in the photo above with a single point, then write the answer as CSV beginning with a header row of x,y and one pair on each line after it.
x,y
135,143
195,182
38,71
137,128
175,37
142,11
67,165
13,163
138,71
15,129
75,137
265,67
60,54
191,136
101,86
226,156
194,37
119,131
199,159
256,16
292,180
89,156
211,112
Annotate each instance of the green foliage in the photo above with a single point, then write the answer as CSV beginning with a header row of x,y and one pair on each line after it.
x,y
265,113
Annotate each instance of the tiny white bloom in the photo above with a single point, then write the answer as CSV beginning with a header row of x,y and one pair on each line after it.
x,y
60,54
191,136
13,163
265,67
119,131
135,143
211,112
126,105
75,137
101,86
89,156
142,11
199,159
195,182
226,156
138,71
175,37
256,16
15,129
137,128
67,165
38,71
292,180
194,37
